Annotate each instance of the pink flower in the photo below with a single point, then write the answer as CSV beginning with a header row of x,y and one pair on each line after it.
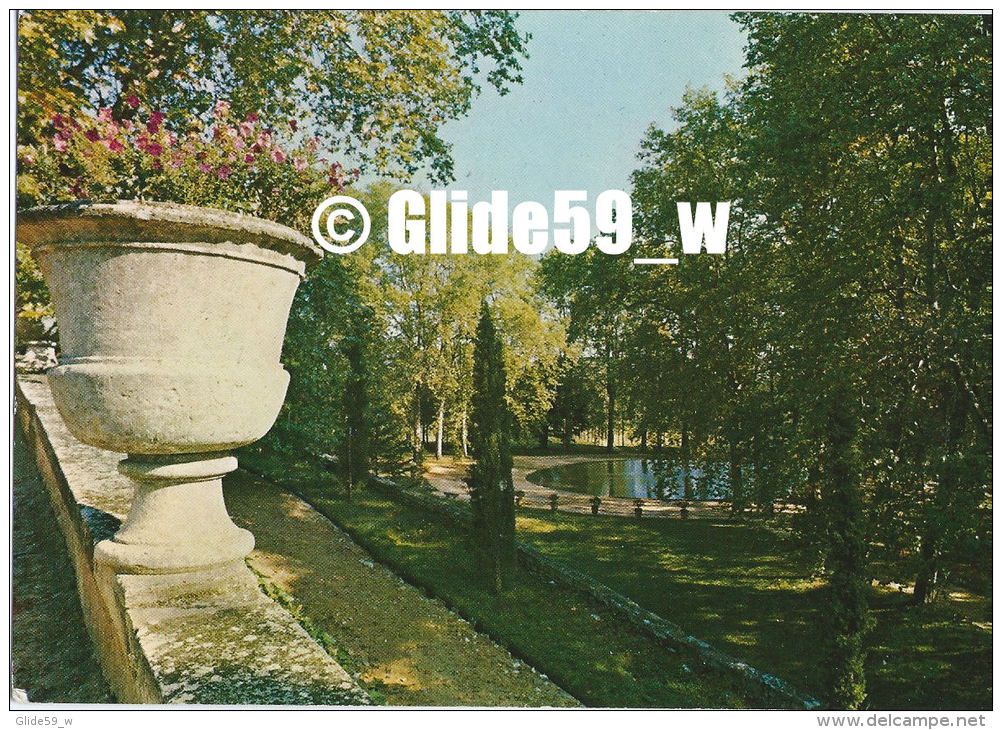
x,y
299,163
356,172
104,114
222,109
114,145
126,125
111,129
27,160
176,160
59,143
171,139
336,175
252,117
264,140
132,100
59,121
278,154
205,168
313,144
238,144
248,158
246,129
154,149
153,125
91,135
223,172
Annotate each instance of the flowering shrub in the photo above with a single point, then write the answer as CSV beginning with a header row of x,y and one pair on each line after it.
x,y
237,165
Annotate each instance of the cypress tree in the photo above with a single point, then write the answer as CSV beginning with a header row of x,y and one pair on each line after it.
x,y
491,489
355,349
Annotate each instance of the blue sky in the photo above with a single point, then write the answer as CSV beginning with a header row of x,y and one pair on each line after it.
x,y
593,83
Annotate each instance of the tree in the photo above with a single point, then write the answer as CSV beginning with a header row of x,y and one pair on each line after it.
x,y
492,493
873,145
841,348
591,290
882,247
375,85
357,351
574,400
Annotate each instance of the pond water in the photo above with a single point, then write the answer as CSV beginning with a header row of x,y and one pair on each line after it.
x,y
631,478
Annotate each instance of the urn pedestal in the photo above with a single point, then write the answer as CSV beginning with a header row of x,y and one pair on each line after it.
x,y
171,321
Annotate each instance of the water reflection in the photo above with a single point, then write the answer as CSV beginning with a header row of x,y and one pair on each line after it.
x,y
632,478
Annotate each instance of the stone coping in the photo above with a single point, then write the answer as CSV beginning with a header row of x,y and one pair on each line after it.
x,y
206,637
132,221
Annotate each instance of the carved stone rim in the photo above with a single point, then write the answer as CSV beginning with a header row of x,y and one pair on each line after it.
x,y
133,220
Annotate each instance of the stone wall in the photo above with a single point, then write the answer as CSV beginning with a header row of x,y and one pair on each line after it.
x,y
202,637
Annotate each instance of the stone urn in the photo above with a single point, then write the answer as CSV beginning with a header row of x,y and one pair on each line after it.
x,y
171,321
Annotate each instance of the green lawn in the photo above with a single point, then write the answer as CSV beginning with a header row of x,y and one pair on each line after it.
x,y
743,587
578,644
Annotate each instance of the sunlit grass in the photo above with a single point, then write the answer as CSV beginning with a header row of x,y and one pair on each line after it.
x,y
742,586
746,589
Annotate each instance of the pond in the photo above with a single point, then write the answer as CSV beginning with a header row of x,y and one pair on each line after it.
x,y
631,478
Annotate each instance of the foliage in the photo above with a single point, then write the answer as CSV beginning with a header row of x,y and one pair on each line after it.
x,y
492,493
413,319
375,85
234,164
839,353
575,399
31,298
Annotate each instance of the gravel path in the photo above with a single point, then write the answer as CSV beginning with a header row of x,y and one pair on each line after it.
x,y
52,656
412,648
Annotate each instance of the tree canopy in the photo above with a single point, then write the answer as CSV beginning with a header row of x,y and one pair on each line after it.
x,y
375,85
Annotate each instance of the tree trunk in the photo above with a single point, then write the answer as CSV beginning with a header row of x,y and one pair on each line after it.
x,y
927,580
610,390
441,429
466,446
930,573
418,436
846,613
734,476
686,481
